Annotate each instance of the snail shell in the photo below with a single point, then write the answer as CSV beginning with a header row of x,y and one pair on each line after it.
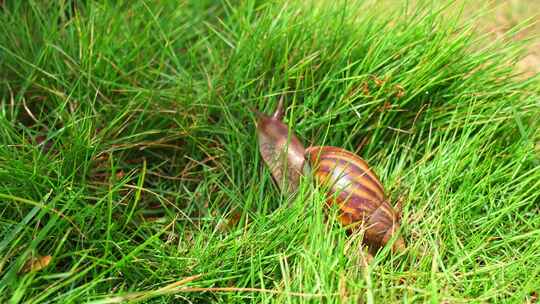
x,y
350,183
280,149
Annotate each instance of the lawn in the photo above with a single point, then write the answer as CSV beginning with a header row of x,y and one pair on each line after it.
x,y
130,170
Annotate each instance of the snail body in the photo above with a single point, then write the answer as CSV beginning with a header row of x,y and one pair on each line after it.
x,y
282,152
346,179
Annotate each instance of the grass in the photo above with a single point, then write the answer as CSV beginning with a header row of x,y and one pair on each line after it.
x,y
128,152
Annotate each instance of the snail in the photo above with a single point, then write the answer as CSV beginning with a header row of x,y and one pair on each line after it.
x,y
345,178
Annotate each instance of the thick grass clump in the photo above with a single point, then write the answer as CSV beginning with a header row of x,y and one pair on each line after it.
x,y
128,152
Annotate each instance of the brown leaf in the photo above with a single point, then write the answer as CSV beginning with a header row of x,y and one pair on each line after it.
x,y
36,263
120,174
400,91
226,224
378,81
533,298
365,88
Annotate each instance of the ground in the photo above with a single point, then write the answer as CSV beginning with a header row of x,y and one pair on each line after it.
x,y
130,170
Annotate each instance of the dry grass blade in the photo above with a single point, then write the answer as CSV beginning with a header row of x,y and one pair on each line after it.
x,y
144,295
261,290
174,288
45,207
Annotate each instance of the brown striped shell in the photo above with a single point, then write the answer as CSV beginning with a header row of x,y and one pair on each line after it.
x,y
350,183
282,152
